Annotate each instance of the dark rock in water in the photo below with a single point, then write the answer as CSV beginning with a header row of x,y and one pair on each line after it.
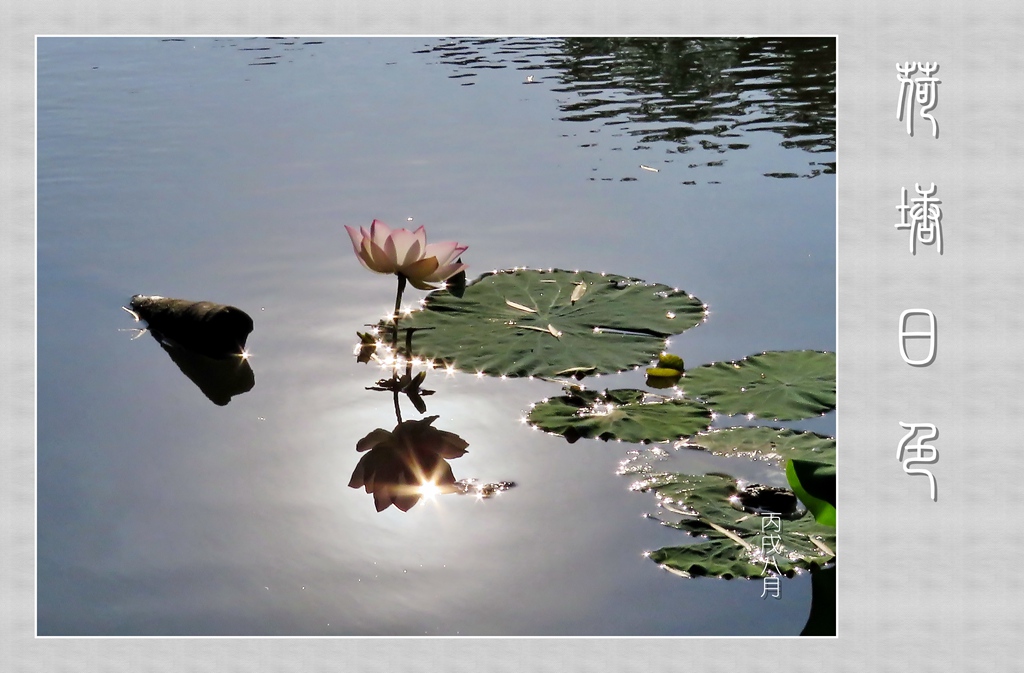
x,y
203,327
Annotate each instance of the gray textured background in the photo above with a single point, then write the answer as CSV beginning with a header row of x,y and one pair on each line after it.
x,y
923,586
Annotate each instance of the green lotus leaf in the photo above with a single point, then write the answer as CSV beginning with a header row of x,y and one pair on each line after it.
x,y
815,484
783,385
551,323
774,445
709,507
623,414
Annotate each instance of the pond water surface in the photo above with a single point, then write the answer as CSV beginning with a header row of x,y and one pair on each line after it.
x,y
225,169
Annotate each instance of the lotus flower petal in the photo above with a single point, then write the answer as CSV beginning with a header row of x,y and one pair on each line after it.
x,y
420,270
357,243
421,285
444,252
445,272
404,247
379,232
380,260
421,236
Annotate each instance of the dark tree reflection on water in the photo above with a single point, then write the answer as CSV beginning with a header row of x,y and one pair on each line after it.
x,y
687,91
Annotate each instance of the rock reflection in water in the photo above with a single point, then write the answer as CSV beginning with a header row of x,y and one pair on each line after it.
x,y
220,379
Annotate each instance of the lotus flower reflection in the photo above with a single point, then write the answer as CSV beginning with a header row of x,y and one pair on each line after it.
x,y
407,254
407,463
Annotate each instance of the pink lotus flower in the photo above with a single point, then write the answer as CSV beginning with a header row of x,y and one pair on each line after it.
x,y
407,254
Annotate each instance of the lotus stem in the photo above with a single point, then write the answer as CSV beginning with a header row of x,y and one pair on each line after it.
x,y
398,308
394,341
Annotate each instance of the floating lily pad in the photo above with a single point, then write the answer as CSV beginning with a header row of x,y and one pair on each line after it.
x,y
551,323
762,443
783,385
709,506
623,414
